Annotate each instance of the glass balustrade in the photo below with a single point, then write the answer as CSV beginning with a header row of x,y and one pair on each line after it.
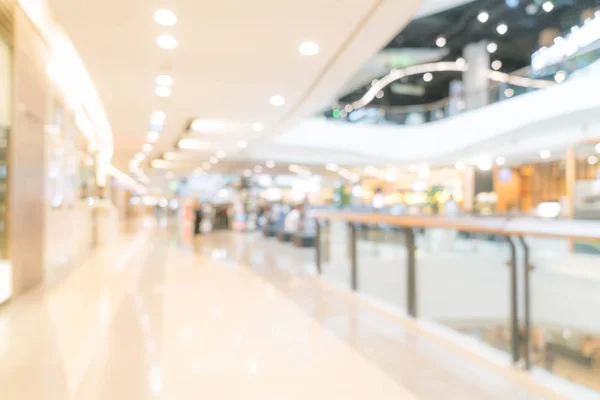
x,y
529,299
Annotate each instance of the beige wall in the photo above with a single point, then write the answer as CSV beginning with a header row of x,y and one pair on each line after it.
x,y
27,157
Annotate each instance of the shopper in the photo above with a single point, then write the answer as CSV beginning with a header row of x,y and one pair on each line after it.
x,y
198,214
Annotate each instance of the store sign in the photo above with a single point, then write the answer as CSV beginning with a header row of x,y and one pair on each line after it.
x,y
565,47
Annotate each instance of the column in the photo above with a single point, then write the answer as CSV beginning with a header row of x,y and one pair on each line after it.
x,y
476,82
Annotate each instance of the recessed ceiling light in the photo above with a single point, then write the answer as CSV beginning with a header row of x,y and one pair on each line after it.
x,y
548,6
348,108
258,127
380,94
166,42
147,148
459,165
308,48
592,160
258,169
140,156
213,160
162,91
427,77
165,17
242,144
560,76
206,165
157,118
164,80
247,173
270,164
509,93
461,62
545,154
192,144
440,42
483,17
152,136
277,100
492,47
500,161
201,125
221,154
502,29
496,65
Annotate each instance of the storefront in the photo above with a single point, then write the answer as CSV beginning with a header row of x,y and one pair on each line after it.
x,y
5,125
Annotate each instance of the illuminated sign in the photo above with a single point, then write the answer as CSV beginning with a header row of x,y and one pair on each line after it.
x,y
565,47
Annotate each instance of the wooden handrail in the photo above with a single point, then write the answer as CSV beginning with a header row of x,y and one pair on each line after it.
x,y
585,230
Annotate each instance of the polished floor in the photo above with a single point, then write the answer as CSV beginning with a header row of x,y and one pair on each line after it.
x,y
229,316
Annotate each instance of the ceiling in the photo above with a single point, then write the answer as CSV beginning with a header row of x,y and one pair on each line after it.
x,y
460,26
232,56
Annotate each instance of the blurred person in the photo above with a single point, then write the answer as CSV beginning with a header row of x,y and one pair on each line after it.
x,y
198,215
378,201
293,220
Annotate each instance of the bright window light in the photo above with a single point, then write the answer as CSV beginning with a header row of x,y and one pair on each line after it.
x,y
308,49
166,42
277,100
459,165
165,17
164,80
483,17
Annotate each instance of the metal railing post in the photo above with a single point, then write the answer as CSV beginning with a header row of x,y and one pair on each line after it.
x,y
411,273
526,293
318,245
353,260
514,313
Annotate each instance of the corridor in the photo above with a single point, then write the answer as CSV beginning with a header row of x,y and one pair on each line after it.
x,y
231,316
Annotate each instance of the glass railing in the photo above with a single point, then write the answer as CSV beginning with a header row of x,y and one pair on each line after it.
x,y
520,290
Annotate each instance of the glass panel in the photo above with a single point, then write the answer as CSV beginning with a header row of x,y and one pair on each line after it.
x,y
335,252
565,304
382,256
463,282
